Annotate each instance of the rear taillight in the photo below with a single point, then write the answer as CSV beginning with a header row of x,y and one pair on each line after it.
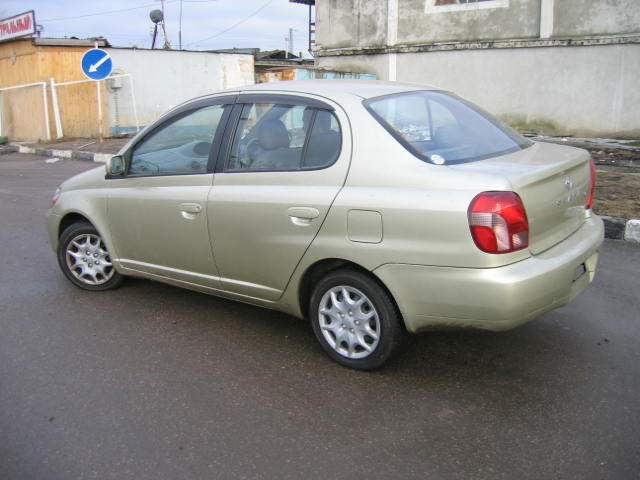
x,y
592,186
498,222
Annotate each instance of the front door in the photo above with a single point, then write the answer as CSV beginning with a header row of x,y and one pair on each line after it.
x,y
158,211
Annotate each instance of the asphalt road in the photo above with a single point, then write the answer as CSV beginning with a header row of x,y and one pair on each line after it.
x,y
154,382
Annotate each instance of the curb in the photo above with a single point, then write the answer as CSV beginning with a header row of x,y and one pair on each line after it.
x,y
621,229
67,154
615,228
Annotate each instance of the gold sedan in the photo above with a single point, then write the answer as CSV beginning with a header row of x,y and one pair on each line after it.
x,y
370,208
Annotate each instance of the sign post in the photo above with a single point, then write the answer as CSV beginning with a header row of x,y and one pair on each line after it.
x,y
96,64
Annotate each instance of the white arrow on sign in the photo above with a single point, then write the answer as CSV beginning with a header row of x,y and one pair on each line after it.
x,y
96,65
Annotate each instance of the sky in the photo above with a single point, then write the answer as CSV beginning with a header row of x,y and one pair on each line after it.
x,y
206,24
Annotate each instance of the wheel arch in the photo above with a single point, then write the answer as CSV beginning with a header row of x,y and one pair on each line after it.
x,y
89,265
71,218
321,268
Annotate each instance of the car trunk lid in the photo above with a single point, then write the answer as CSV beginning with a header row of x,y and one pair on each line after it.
x,y
553,182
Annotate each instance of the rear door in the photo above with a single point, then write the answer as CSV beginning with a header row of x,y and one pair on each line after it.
x,y
283,165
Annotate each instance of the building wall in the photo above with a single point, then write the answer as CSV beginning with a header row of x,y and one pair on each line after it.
x,y
23,117
552,90
78,103
366,23
278,74
22,110
521,19
380,23
564,67
163,79
349,23
19,66
590,17
236,70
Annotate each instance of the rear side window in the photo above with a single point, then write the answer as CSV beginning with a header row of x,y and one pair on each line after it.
x,y
276,137
443,129
324,139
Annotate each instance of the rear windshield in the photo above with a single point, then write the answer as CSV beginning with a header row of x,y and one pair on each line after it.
x,y
441,128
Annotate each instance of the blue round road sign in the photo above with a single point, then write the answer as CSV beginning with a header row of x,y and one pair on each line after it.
x,y
96,64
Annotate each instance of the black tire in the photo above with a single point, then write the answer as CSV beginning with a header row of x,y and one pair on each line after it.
x,y
355,320
85,260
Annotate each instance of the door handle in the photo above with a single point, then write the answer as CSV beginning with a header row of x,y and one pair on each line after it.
x,y
190,210
302,216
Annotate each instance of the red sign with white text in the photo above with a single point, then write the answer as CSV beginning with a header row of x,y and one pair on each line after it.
x,y
18,26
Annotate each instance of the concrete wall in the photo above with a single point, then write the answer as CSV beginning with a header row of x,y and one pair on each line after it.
x,y
509,19
580,91
365,23
236,70
348,23
163,79
279,74
565,67
602,17
379,23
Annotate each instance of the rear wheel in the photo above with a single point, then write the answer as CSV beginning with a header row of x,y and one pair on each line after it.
x,y
355,320
85,260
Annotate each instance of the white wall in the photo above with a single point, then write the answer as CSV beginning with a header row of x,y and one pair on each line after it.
x,y
581,91
552,66
165,78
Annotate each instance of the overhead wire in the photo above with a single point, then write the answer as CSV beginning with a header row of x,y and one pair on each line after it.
x,y
218,34
232,26
103,13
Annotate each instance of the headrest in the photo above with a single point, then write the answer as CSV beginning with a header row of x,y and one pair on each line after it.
x,y
273,134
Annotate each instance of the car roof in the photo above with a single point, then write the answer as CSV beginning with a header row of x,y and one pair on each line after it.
x,y
329,87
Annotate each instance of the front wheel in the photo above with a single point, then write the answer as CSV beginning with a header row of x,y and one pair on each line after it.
x,y
355,320
85,260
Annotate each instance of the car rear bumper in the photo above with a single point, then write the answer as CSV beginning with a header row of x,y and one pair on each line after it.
x,y
433,298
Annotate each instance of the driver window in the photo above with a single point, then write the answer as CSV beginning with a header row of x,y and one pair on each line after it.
x,y
182,147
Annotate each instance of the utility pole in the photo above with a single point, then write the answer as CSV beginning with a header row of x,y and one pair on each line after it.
x,y
289,47
180,28
291,40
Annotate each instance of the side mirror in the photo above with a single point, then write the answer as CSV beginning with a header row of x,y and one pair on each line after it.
x,y
116,166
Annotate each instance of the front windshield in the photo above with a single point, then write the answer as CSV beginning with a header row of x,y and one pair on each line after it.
x,y
443,129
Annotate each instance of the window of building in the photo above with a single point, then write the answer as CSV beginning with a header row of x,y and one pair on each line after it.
x,y
438,6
